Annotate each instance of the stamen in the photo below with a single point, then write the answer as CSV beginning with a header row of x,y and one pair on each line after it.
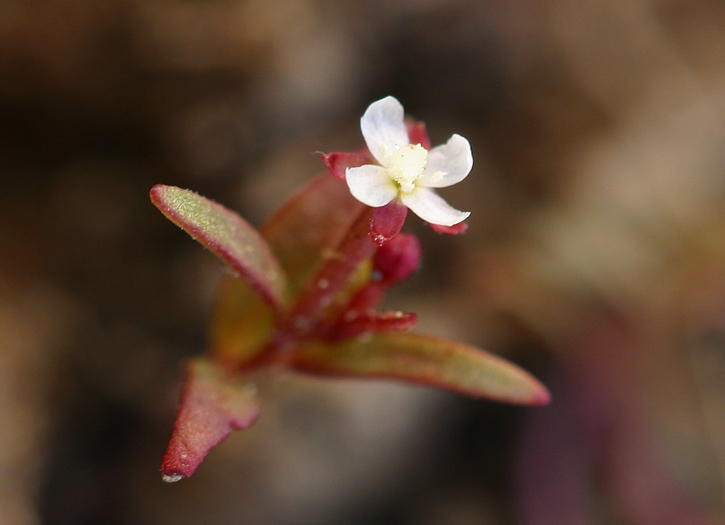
x,y
407,166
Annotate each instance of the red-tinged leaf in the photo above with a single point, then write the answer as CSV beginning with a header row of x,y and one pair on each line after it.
x,y
227,235
334,275
387,221
309,228
354,323
212,405
304,234
424,360
338,162
456,229
241,325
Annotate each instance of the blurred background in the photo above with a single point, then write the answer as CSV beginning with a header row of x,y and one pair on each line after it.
x,y
595,257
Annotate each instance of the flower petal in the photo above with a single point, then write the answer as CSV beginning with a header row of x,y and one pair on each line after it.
x,y
431,207
383,122
371,185
448,163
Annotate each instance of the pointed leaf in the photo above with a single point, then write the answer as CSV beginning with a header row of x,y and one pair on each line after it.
x,y
424,360
227,235
211,406
303,233
335,275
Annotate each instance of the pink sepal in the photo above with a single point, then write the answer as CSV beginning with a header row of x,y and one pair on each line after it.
x,y
456,229
418,134
338,162
387,221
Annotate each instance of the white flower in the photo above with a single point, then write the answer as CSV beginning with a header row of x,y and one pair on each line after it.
x,y
408,171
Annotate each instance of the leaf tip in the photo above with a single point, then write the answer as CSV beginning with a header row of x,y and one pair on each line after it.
x,y
156,194
212,405
541,396
172,477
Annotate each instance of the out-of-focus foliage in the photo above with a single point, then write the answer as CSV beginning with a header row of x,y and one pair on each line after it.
x,y
595,253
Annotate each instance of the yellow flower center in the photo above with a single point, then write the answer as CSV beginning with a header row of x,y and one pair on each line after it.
x,y
406,165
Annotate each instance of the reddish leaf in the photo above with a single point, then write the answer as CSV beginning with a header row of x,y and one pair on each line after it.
x,y
211,406
304,234
308,229
335,273
423,360
227,235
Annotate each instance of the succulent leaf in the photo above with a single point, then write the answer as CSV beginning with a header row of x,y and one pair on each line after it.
x,y
308,229
423,360
212,405
226,234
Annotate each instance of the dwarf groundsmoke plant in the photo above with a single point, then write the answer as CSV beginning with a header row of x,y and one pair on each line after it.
x,y
305,287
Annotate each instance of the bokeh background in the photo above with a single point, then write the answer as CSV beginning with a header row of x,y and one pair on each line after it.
x,y
595,257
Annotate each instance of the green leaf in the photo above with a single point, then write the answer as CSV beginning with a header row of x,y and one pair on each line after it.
x,y
226,234
423,360
212,405
304,233
241,323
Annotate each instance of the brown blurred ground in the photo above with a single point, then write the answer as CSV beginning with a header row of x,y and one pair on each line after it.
x,y
595,256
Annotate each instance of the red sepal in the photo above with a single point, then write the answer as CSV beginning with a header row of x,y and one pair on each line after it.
x,y
387,221
456,229
338,162
418,134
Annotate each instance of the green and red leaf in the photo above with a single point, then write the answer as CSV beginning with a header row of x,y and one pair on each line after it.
x,y
226,234
212,405
241,324
373,322
423,360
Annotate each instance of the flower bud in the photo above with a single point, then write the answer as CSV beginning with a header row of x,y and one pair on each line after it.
x,y
397,259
